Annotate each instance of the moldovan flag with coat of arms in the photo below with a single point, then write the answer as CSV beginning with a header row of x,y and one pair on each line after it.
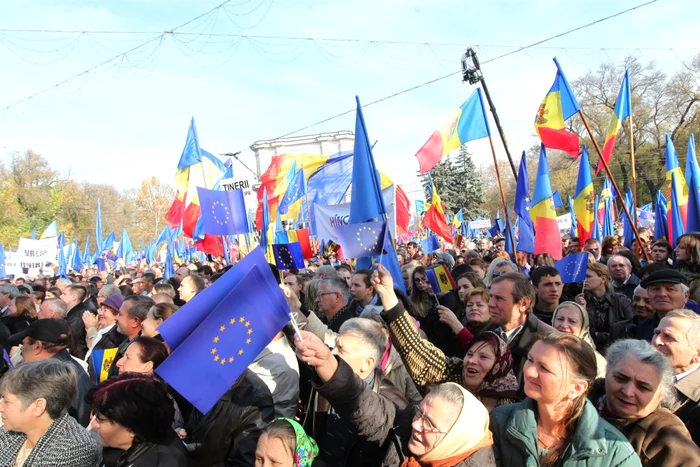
x,y
672,167
469,123
558,106
584,207
543,214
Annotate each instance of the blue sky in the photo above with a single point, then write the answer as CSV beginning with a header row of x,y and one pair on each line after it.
x,y
128,120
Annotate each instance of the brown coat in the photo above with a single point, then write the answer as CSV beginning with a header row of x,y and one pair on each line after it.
x,y
660,439
689,410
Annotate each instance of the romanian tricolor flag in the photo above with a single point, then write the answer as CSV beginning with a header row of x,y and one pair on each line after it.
x,y
607,192
440,279
468,123
543,214
196,168
436,220
302,237
584,207
672,167
623,109
558,106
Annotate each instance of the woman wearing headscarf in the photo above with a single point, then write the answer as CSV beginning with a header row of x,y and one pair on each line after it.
x,y
486,370
448,429
284,443
572,318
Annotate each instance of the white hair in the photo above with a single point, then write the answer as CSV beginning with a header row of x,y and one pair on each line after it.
x,y
694,330
627,260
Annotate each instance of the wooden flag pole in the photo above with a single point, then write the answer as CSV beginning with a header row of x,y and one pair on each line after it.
x,y
614,183
633,163
503,195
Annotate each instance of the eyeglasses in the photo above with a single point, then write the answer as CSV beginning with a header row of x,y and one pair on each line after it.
x,y
325,293
497,273
426,426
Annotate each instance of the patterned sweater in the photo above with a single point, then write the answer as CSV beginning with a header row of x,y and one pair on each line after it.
x,y
65,444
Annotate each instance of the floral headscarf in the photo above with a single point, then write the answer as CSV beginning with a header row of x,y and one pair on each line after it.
x,y
307,450
585,332
500,381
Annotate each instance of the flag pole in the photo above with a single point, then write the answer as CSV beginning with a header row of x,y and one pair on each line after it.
x,y
614,183
633,163
503,196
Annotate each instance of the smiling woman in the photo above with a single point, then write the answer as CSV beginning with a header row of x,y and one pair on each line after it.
x,y
638,392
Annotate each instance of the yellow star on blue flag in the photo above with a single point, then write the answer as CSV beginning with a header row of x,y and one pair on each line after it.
x,y
361,240
288,256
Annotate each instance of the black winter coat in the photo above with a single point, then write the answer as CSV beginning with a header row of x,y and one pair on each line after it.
x,y
77,327
379,420
170,453
228,434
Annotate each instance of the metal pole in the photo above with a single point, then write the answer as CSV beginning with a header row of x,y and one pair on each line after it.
x,y
470,53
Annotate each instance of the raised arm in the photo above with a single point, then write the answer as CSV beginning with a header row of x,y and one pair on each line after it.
x,y
426,363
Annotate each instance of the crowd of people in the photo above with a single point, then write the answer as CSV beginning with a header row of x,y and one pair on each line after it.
x,y
512,367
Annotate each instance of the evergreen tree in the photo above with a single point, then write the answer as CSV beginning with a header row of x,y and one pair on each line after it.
x,y
458,185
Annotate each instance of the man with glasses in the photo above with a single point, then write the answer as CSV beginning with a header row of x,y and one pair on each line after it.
x,y
332,301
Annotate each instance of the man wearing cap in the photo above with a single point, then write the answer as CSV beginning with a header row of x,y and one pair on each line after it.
x,y
97,281
668,290
50,338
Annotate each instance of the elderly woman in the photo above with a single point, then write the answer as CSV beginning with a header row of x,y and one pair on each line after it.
x,y
34,402
556,424
133,415
101,330
284,443
638,387
497,267
572,318
449,428
688,257
605,307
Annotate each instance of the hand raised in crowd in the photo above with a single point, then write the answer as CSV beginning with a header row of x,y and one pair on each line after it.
x,y
384,286
581,300
292,299
90,320
314,352
450,319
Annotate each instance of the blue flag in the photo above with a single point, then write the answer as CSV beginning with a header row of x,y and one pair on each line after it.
x,y
573,267
223,212
280,234
628,232
526,240
77,261
288,256
125,249
692,176
191,153
366,202
108,244
2,261
34,233
222,330
420,206
295,190
660,217
608,222
430,244
596,225
62,266
361,240
574,230
556,197
677,227
86,252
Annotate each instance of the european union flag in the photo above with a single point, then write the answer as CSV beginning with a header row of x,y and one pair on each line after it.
x,y
223,212
221,331
430,244
573,267
362,239
296,189
289,256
